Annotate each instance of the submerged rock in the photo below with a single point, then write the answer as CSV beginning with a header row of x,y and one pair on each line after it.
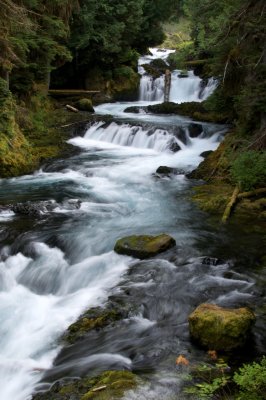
x,y
94,318
163,170
109,385
34,209
211,261
144,246
174,147
134,109
219,328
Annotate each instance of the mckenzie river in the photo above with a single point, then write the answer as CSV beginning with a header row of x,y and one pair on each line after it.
x,y
59,261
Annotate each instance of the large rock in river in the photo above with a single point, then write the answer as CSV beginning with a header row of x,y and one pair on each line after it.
x,y
144,246
220,328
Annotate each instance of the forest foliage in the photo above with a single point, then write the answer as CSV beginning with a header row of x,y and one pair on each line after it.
x,y
39,36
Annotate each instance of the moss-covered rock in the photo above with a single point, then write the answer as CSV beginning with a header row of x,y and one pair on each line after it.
x,y
134,109
144,246
192,109
110,385
150,70
220,328
84,105
94,318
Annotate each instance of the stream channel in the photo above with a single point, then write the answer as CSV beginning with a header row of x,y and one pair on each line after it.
x,y
58,262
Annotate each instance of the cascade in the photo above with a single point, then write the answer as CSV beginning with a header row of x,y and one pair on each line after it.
x,y
182,90
164,139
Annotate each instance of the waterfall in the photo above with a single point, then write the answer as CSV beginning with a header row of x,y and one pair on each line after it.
x,y
187,89
151,89
182,89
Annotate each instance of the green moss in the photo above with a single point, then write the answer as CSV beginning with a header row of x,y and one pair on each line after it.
x,y
150,70
84,105
116,382
192,109
144,246
220,328
212,198
15,157
114,385
94,318
29,133
125,80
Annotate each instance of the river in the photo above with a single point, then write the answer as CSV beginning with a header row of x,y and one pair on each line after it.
x,y
59,262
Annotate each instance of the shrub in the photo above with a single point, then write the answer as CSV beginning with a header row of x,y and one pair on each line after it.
x,y
251,379
248,170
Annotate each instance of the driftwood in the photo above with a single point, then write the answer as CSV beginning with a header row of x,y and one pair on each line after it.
x,y
236,196
73,109
230,205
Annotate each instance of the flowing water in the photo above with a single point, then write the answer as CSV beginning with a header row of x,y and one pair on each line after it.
x,y
59,260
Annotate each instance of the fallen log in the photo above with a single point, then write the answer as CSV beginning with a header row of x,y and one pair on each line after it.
x,y
230,205
251,193
72,92
73,109
236,196
100,388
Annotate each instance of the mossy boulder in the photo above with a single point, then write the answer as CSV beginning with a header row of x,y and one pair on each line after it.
x,y
110,385
94,318
84,105
218,328
144,246
150,70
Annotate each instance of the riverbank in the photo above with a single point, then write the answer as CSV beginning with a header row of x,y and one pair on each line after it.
x,y
34,131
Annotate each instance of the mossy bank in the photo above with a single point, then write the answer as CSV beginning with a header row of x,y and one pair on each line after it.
x,y
32,131
233,165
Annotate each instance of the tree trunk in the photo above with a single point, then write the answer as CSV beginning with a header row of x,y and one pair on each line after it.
x,y
167,85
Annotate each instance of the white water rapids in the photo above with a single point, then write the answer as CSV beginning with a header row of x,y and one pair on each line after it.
x,y
54,266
